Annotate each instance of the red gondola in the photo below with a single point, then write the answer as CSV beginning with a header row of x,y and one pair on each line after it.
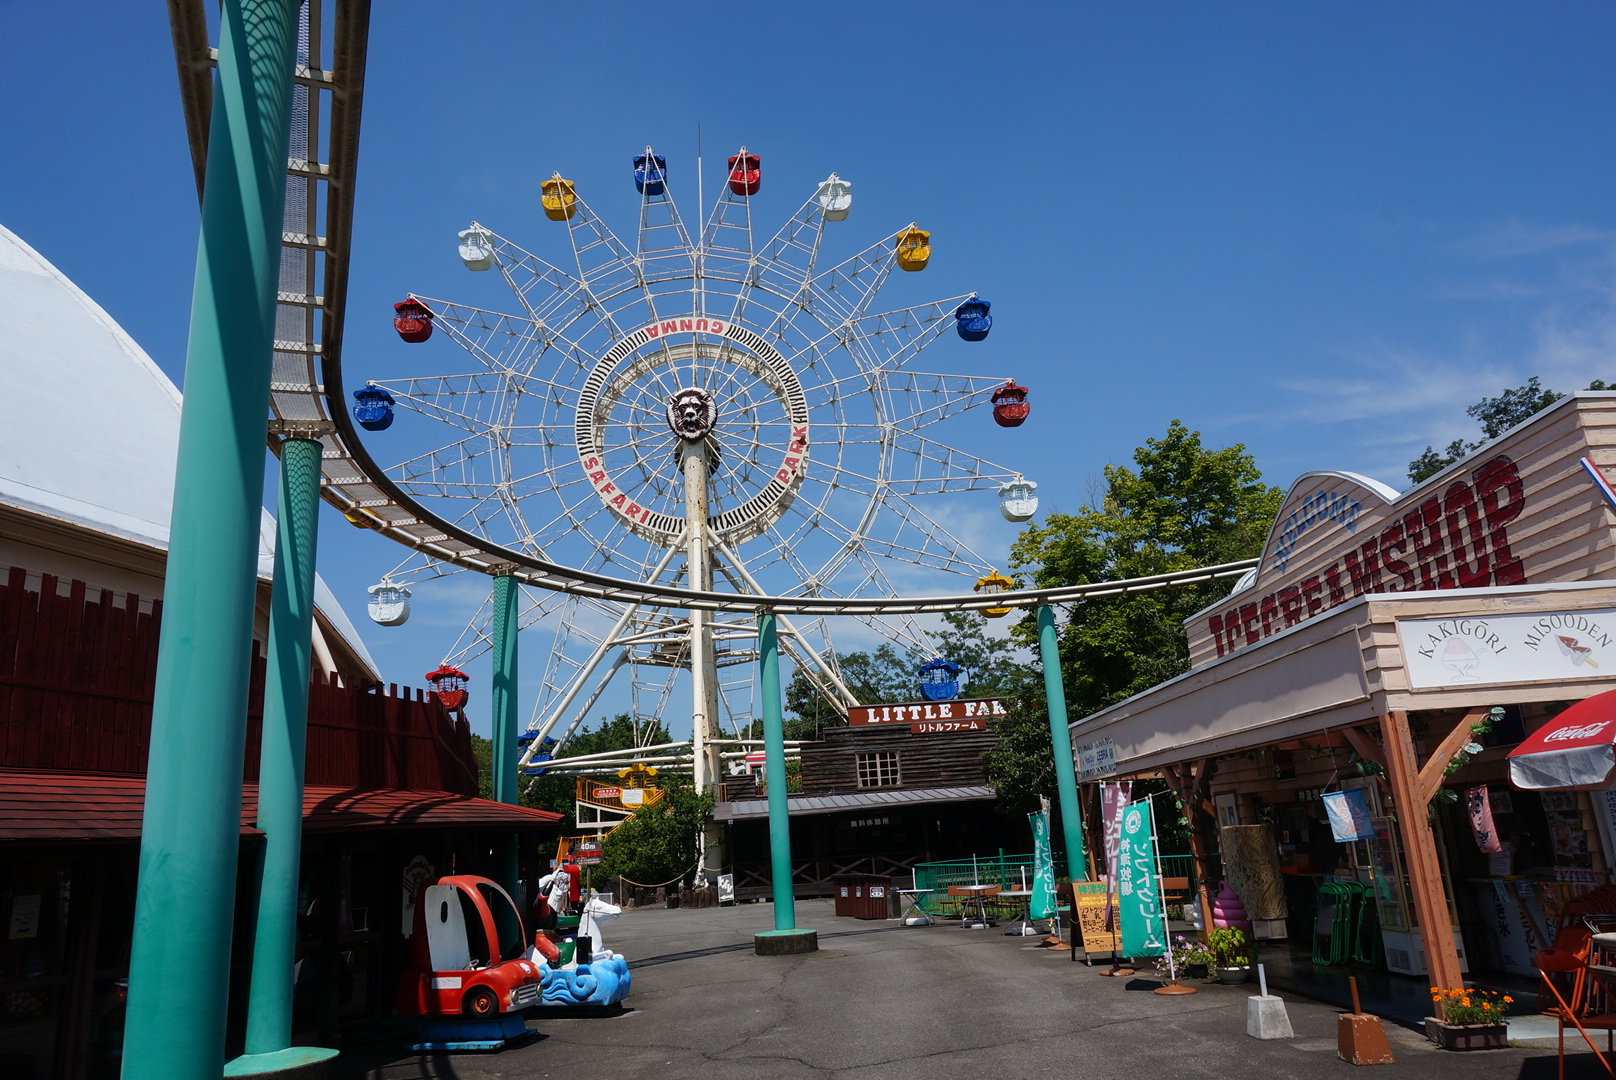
x,y
449,684
413,320
1010,406
745,173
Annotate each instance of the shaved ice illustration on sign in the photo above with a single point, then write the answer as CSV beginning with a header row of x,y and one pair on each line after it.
x,y
1458,657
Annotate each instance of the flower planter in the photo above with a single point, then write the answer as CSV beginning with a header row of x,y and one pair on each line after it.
x,y
1195,971
1232,975
1466,1036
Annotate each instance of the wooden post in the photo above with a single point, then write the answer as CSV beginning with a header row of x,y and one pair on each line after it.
x,y
1192,782
1412,793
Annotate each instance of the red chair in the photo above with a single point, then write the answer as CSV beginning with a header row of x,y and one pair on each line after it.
x,y
1564,963
1577,940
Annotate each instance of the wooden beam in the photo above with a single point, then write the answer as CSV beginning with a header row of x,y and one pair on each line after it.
x,y
1365,745
1431,774
1419,852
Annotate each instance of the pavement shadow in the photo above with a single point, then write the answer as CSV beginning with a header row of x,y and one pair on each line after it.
x,y
1581,1066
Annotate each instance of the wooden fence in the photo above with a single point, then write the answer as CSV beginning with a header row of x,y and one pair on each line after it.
x,y
76,677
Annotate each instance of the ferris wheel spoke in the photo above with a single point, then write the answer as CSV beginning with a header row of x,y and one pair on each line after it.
x,y
916,399
938,468
605,265
845,290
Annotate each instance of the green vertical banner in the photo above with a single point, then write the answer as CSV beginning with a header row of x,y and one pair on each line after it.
x,y
1041,905
1138,891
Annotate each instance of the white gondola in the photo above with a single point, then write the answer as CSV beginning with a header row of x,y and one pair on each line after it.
x,y
835,198
389,604
476,248
1018,500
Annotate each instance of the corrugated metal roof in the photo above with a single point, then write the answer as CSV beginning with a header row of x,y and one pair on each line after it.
x,y
806,805
49,806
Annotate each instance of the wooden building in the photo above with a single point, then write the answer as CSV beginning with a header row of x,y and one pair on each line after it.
x,y
876,799
86,476
1378,629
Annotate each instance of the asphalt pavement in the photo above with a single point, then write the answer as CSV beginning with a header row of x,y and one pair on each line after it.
x,y
917,1003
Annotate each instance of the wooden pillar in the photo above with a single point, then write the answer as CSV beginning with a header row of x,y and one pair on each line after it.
x,y
1412,788
1191,782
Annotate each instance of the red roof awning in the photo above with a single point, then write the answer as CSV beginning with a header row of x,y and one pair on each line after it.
x,y
54,806
1574,751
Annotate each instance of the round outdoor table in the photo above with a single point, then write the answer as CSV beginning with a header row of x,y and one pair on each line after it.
x,y
977,893
1025,919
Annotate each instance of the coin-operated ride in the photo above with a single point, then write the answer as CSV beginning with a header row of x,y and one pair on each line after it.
x,y
468,953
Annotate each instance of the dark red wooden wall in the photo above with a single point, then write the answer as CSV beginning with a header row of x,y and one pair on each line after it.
x,y
76,677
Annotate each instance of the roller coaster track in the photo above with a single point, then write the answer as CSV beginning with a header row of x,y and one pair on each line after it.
x,y
307,392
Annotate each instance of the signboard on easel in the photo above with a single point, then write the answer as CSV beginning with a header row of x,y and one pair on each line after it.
x,y
1090,899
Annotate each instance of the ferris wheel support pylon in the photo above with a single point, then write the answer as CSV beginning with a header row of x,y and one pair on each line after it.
x,y
588,669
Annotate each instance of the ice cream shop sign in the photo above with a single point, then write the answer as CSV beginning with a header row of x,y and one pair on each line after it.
x,y
1364,538
1509,648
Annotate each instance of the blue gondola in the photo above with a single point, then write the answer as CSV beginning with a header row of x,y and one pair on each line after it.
x,y
973,321
375,409
650,174
939,680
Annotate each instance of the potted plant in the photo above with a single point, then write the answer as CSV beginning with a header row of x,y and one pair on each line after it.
x,y
1191,959
1469,1019
1231,954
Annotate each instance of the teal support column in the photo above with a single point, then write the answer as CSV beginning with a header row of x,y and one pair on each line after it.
x,y
502,695
185,901
1061,742
280,769
785,937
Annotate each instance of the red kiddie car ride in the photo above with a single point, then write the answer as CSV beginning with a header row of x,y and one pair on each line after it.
x,y
466,953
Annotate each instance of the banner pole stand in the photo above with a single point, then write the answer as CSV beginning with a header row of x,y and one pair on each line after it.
x,y
1173,986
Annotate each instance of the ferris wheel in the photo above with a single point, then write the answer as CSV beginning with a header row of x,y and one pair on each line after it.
x,y
715,412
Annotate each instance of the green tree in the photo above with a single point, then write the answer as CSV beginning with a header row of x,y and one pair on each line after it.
x,y
1182,505
558,793
874,677
660,842
1496,415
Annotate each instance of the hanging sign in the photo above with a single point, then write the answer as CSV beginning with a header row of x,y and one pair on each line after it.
x,y
608,793
1349,815
1138,892
914,712
1041,905
1096,759
1509,648
1480,809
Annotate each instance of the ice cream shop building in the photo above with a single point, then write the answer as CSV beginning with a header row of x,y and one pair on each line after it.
x,y
1391,736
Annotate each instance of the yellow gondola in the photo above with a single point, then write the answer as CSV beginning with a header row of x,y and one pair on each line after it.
x,y
914,249
558,198
992,585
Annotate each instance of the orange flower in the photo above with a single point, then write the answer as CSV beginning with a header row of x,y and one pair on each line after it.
x,y
1508,1000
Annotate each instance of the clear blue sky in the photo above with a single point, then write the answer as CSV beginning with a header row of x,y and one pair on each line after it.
x,y
1317,229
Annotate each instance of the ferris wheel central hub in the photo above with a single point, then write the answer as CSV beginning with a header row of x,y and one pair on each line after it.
x,y
692,414
773,429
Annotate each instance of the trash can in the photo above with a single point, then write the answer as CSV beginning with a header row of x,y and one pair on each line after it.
x,y
862,896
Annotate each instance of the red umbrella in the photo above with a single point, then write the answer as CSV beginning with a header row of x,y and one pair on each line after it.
x,y
1575,751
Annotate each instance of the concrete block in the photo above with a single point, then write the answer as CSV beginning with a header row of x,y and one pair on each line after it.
x,y
1266,1017
785,942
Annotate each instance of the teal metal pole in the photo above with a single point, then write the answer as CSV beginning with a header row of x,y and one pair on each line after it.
x,y
185,901
280,768
1061,742
502,694
774,766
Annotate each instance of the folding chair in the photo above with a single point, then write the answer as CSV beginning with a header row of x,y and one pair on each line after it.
x,y
1557,962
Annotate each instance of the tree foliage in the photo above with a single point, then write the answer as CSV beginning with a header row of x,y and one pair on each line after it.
x,y
1496,415
661,842
1180,506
